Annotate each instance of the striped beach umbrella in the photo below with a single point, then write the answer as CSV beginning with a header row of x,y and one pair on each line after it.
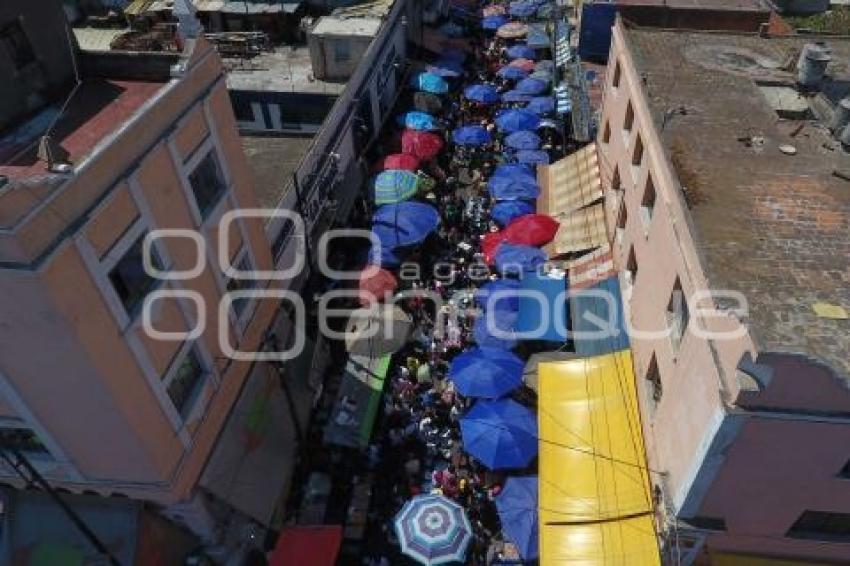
x,y
433,530
395,185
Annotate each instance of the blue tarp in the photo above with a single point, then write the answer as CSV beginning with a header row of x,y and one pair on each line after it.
x,y
602,303
549,312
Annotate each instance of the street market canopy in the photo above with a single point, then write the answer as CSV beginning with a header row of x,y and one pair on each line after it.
x,y
471,136
512,30
377,330
512,73
571,189
514,120
356,406
545,313
486,372
517,508
402,161
424,145
417,120
504,211
601,512
307,546
520,51
482,93
429,82
523,140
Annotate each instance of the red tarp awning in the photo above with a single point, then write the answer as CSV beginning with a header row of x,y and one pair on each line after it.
x,y
307,546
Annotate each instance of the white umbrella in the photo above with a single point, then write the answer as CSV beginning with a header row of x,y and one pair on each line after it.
x,y
377,331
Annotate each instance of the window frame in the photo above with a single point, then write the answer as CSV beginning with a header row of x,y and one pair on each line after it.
x,y
204,152
42,455
796,531
242,316
206,378
654,383
647,210
682,317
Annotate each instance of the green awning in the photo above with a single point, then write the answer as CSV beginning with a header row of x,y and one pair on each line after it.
x,y
356,406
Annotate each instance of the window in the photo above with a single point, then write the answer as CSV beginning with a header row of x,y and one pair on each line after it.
x,y
821,525
653,381
207,183
242,108
622,219
629,120
342,50
845,471
606,132
647,204
677,315
637,156
631,268
23,440
186,383
616,184
16,43
615,81
234,284
129,279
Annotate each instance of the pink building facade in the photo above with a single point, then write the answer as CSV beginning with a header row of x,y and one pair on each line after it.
x,y
746,416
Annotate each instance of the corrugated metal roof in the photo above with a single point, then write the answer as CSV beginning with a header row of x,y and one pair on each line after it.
x,y
138,7
374,9
208,5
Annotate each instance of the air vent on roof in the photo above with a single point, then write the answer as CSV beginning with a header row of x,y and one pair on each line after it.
x,y
811,66
840,116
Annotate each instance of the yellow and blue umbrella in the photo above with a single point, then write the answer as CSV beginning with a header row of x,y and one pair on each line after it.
x,y
432,529
429,82
395,185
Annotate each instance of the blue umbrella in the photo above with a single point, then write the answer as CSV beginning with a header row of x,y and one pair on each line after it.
x,y
516,120
513,259
523,140
418,121
484,336
515,96
485,94
383,256
531,86
500,434
522,9
433,530
471,135
532,157
404,223
492,23
514,170
429,82
516,187
541,105
512,73
486,372
505,211
521,52
517,508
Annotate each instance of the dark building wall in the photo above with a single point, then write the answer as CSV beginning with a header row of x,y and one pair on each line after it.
x,y
35,57
697,19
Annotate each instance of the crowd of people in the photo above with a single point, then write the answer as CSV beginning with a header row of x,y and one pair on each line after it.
x,y
417,445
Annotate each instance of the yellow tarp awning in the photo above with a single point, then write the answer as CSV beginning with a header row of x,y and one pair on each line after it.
x,y
595,504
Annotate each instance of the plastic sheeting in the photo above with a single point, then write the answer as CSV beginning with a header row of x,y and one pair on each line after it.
x,y
601,511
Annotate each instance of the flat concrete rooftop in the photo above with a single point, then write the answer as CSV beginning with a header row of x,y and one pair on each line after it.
x,y
272,161
286,69
775,227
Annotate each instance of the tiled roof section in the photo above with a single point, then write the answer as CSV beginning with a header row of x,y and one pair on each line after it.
x,y
770,225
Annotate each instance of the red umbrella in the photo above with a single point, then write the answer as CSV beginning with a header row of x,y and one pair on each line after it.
x,y
375,283
489,245
403,161
424,145
524,64
531,230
